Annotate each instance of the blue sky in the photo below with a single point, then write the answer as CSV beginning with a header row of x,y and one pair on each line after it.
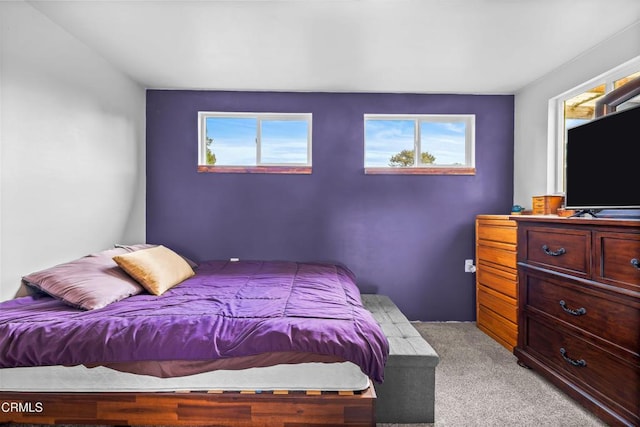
x,y
384,138
283,141
571,123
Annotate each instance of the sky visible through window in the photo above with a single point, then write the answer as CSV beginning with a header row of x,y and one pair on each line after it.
x,y
571,123
284,141
386,138
445,141
235,139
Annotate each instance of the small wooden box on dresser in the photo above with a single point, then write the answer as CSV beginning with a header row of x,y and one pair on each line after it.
x,y
579,310
496,278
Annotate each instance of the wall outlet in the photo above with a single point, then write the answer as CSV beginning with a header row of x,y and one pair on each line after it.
x,y
468,266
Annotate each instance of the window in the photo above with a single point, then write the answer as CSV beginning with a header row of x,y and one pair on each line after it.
x,y
580,108
576,107
419,144
254,142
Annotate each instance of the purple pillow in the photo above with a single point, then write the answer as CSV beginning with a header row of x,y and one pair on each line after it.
x,y
91,282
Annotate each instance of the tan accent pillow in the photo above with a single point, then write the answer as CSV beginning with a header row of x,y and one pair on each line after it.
x,y
157,269
137,247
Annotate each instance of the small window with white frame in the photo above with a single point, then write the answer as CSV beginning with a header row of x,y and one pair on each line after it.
x,y
419,144
254,142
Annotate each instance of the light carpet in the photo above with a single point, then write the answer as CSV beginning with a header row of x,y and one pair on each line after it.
x,y
479,383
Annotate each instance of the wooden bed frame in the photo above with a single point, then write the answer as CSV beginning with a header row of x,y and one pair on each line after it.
x,y
191,408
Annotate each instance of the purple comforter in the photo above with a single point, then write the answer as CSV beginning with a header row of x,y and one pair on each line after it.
x,y
227,309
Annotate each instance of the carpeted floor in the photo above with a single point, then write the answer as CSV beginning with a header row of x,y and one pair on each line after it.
x,y
479,383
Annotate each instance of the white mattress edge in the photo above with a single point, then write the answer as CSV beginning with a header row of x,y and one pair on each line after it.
x,y
339,376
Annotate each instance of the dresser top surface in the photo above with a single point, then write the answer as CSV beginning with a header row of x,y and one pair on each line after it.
x,y
593,222
495,217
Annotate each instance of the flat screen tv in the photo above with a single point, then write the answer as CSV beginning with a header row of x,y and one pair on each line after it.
x,y
603,163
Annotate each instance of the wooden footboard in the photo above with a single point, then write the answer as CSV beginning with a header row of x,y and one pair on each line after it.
x,y
192,409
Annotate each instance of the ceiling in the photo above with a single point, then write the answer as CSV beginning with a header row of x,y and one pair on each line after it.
x,y
418,46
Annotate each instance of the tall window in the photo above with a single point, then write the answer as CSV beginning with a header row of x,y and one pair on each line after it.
x,y
580,108
419,144
577,107
254,142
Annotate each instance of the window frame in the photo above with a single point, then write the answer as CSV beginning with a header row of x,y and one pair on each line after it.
x,y
259,167
467,169
556,131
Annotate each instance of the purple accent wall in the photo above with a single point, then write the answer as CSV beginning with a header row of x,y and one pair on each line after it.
x,y
403,236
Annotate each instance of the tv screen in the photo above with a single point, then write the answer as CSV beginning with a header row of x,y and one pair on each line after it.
x,y
603,163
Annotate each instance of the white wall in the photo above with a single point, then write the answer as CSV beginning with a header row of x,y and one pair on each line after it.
x,y
531,108
72,131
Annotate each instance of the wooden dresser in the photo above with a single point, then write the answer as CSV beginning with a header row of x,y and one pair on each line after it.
x,y
579,310
496,278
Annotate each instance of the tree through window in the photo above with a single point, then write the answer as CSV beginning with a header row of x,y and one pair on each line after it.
x,y
254,142
419,144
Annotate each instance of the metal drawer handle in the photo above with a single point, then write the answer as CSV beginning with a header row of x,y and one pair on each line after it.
x,y
578,312
635,263
548,251
579,363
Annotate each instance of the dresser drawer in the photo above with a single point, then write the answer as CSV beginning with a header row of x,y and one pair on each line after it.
x,y
505,331
611,318
498,303
566,250
497,257
503,231
501,280
603,374
618,258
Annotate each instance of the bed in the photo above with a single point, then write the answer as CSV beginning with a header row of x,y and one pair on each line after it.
x,y
265,321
